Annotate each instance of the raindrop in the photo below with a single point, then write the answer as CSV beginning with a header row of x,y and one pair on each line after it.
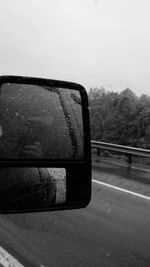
x,y
1,131
107,254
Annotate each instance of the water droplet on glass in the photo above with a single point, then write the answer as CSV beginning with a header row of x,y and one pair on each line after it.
x,y
107,254
1,131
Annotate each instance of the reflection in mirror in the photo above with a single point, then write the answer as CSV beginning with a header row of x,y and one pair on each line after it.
x,y
31,188
59,174
40,122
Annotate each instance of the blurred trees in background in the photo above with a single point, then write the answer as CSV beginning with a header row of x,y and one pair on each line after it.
x,y
120,118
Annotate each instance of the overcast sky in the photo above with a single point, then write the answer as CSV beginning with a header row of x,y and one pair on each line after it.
x,y
92,42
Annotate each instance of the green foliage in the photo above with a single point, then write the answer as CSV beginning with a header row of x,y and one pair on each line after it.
x,y
120,118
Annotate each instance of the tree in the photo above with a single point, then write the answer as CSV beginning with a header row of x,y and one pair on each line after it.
x,y
121,118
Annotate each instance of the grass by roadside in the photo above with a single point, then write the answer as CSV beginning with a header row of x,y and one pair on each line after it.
x,y
121,158
117,173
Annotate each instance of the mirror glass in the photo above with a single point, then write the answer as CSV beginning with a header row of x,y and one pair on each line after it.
x,y
40,122
31,188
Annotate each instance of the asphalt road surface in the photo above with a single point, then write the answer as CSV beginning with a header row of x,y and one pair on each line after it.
x,y
114,230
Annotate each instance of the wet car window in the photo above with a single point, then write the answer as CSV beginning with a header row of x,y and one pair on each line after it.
x,y
46,121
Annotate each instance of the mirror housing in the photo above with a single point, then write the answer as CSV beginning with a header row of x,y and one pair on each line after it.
x,y
45,149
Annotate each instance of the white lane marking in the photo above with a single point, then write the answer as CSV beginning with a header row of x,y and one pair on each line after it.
x,y
121,189
7,260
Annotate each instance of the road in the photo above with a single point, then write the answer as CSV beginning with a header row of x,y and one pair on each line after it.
x,y
114,230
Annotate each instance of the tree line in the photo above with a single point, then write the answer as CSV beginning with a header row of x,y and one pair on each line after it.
x,y
120,118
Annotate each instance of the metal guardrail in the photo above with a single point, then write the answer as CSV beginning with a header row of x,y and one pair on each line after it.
x,y
129,151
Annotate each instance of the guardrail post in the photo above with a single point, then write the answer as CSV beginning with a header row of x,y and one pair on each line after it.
x,y
129,160
98,154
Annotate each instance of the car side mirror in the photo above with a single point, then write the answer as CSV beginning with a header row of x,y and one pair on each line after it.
x,y
45,150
